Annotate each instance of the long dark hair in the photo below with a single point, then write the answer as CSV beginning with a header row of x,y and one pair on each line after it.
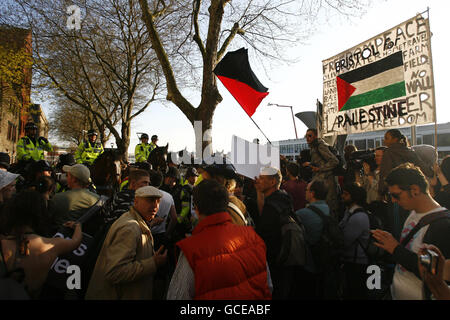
x,y
26,209
396,134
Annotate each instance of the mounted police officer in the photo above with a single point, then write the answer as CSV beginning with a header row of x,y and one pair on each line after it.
x,y
153,143
30,147
89,150
143,149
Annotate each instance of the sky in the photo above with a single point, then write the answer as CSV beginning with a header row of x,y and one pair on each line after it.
x,y
299,85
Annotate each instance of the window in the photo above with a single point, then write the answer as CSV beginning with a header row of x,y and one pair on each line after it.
x,y
12,132
444,140
370,144
360,144
419,140
377,143
428,139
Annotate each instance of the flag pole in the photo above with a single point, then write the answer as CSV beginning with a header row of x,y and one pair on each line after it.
x,y
259,128
432,75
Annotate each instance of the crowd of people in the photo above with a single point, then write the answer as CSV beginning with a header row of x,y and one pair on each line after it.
x,y
308,230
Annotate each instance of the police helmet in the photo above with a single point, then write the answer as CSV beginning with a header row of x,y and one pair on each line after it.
x,y
92,132
30,126
154,137
144,136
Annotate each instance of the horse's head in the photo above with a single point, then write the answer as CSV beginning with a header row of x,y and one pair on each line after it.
x,y
106,171
158,158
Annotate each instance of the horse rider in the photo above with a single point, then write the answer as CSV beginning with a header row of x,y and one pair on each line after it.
x,y
30,147
89,150
143,149
153,144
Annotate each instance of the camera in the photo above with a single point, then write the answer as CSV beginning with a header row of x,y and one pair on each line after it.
x,y
430,261
358,157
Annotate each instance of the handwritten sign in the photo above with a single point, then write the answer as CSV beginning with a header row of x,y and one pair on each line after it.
x,y
383,83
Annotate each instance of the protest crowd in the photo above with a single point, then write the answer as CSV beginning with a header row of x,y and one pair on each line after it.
x,y
309,230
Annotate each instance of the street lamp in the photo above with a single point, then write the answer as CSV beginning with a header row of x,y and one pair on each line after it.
x,y
292,112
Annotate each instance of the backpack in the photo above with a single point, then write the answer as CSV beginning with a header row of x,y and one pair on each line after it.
x,y
339,169
327,251
293,246
373,253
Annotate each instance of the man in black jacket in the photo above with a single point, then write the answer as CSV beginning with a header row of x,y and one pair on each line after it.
x,y
430,222
272,204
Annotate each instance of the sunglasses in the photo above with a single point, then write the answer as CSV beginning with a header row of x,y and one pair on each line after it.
x,y
396,195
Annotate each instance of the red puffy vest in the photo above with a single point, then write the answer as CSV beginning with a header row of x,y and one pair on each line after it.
x,y
229,261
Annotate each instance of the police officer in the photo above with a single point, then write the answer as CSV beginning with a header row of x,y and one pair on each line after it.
x,y
89,150
143,149
30,147
153,143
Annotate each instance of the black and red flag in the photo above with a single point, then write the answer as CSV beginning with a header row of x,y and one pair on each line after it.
x,y
236,75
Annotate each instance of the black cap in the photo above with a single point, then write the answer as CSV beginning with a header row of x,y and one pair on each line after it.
x,y
144,136
30,125
154,137
66,159
173,173
228,171
142,165
5,160
191,172
92,132
41,165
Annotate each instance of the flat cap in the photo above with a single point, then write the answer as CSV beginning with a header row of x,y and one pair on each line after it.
x,y
148,192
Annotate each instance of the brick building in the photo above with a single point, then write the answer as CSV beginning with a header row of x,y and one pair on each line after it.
x,y
15,102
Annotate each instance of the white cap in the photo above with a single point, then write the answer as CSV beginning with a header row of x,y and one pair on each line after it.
x,y
269,171
7,178
79,171
148,192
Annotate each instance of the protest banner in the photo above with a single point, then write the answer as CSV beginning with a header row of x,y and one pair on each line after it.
x,y
383,83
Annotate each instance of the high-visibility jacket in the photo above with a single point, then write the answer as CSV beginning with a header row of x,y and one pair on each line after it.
x,y
152,146
124,185
186,203
87,152
229,261
142,151
27,149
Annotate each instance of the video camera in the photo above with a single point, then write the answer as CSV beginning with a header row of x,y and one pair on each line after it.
x,y
358,157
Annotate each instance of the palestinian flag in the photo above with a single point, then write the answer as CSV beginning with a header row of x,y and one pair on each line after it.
x,y
374,83
236,75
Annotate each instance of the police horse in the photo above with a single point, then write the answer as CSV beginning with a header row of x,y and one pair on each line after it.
x,y
158,158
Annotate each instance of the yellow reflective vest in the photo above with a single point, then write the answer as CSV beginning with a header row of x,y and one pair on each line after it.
x,y
87,152
29,150
142,151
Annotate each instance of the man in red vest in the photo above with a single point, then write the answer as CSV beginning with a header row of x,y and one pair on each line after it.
x,y
221,260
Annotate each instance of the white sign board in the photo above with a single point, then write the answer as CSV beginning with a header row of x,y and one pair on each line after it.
x,y
383,83
249,158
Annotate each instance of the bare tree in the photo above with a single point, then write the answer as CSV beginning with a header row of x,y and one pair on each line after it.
x,y
191,36
69,122
106,68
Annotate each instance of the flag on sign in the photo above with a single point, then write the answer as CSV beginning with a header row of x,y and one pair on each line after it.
x,y
236,75
374,83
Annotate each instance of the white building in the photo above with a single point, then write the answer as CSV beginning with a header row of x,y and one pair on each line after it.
x,y
370,140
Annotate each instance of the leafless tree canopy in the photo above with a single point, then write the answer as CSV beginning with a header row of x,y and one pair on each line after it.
x,y
106,68
191,36
128,52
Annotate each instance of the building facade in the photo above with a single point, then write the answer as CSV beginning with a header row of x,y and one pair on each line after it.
x,y
371,140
